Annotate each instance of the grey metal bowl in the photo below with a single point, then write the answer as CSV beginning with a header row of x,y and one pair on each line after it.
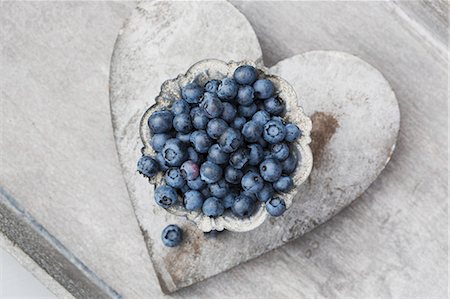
x,y
201,72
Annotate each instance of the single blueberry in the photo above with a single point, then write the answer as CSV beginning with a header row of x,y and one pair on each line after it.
x,y
238,123
165,196
212,85
275,206
252,182
263,88
256,154
245,75
247,111
280,151
265,193
174,178
283,184
180,106
210,172
201,141
160,121
243,206
161,162
171,235
227,89
193,155
216,127
185,138
290,164
274,105
189,170
229,112
216,155
174,152
182,123
252,131
148,166
212,105
245,95
239,158
233,175
270,170
157,141
261,117
230,140
213,207
199,118
274,131
292,132
192,93
219,189
196,184
193,200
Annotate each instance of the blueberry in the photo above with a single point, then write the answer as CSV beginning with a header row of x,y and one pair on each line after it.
x,y
247,111
219,189
192,93
193,155
252,131
274,131
265,193
233,175
256,154
216,127
174,178
165,196
216,155
148,166
212,85
245,75
180,106
174,152
276,206
227,89
252,182
280,151
228,200
292,132
212,105
210,172
213,207
229,112
182,123
193,200
283,184
196,184
201,141
171,235
239,158
230,140
270,170
199,118
238,123
290,163
161,162
158,140
189,170
245,95
263,88
160,121
185,138
243,206
261,117
274,105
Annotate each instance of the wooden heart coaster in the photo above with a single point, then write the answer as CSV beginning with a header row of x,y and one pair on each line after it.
x,y
355,124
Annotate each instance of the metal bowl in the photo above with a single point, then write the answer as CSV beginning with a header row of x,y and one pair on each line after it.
x,y
201,72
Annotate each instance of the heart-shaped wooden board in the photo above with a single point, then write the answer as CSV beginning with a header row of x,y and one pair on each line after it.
x,y
355,124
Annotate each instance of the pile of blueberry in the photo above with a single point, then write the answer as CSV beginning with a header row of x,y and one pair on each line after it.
x,y
223,146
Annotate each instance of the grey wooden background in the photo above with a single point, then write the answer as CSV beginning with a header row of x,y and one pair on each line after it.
x,y
58,158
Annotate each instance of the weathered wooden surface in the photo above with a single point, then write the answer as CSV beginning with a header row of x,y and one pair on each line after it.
x,y
390,243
